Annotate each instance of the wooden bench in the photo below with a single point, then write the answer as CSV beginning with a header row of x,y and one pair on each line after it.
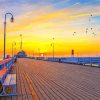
x,y
9,85
3,74
7,81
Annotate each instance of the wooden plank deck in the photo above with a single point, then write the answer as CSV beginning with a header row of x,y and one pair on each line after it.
x,y
55,81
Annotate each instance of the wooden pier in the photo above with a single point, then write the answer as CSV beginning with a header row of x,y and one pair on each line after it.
x,y
43,80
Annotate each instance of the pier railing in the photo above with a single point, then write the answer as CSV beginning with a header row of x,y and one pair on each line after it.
x,y
92,61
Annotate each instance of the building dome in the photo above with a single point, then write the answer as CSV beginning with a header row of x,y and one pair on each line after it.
x,y
21,54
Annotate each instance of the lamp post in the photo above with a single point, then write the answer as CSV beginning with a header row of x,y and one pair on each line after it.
x,y
13,43
53,47
33,53
12,19
39,51
15,50
21,42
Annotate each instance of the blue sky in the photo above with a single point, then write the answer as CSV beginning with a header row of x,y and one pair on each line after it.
x,y
57,4
54,2
8,5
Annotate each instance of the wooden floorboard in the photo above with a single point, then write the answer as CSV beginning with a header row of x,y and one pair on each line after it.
x,y
55,81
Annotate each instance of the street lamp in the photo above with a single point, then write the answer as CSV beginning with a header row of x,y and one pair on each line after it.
x,y
21,42
39,51
12,19
13,43
33,53
53,47
15,50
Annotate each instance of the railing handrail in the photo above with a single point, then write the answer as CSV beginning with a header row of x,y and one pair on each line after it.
x,y
74,60
5,61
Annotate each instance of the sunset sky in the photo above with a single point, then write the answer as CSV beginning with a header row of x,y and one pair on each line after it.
x,y
41,20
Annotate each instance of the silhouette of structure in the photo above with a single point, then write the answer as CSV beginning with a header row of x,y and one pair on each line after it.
x,y
21,54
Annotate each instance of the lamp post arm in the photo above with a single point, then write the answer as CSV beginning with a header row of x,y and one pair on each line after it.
x,y
8,14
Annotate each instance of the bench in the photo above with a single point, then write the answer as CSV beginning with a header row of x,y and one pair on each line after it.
x,y
9,85
7,81
3,73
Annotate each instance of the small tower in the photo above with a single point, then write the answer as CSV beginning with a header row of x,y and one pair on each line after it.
x,y
72,53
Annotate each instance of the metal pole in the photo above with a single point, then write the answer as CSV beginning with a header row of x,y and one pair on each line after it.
x,y
12,50
15,51
53,48
33,53
5,37
13,43
5,32
39,52
21,42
